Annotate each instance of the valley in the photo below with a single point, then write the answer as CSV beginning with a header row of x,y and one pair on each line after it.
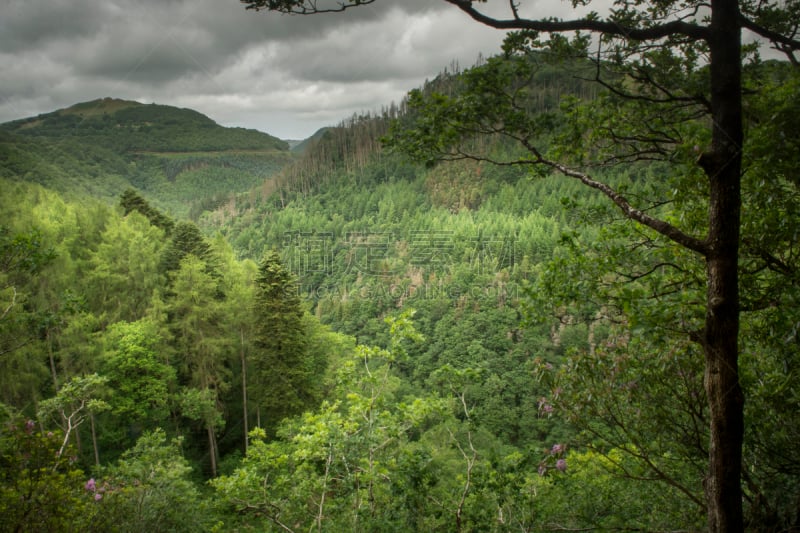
x,y
378,332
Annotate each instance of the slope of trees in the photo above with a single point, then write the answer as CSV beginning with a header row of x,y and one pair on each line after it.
x,y
125,127
660,87
455,347
142,308
178,158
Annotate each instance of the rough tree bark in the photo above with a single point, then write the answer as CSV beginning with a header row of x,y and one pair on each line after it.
x,y
722,164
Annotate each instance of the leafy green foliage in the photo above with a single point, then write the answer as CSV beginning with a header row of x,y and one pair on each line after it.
x,y
41,488
336,466
150,488
22,258
74,403
186,240
141,381
203,350
657,104
122,272
589,414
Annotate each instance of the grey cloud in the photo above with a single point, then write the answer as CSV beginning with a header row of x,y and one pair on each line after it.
x,y
27,25
277,73
400,46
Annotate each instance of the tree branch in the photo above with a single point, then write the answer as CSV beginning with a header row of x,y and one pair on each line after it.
x,y
647,79
11,305
664,228
301,7
787,44
606,27
639,275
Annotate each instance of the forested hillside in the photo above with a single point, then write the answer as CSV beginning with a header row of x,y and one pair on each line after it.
x,y
178,158
374,339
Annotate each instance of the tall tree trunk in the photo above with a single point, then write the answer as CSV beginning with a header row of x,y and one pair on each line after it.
x,y
94,441
51,356
78,445
244,388
212,449
720,338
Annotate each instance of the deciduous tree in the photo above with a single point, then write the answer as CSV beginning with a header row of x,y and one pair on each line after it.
x,y
204,351
663,64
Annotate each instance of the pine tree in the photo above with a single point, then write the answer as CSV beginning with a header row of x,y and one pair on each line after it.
x,y
186,239
130,200
284,372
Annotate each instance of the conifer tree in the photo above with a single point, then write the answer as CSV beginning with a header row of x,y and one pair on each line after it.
x,y
130,200
186,239
284,374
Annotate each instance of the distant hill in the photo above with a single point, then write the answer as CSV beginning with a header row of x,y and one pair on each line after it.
x,y
126,126
300,147
179,159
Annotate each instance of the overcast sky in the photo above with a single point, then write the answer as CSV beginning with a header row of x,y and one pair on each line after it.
x,y
284,75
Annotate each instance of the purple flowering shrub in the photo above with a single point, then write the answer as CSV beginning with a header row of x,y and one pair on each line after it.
x,y
149,488
40,489
554,459
97,490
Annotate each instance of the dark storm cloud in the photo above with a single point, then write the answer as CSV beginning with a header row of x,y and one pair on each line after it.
x,y
398,46
26,25
286,75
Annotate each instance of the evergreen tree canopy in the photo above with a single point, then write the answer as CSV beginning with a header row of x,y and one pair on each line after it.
x,y
186,240
284,372
130,200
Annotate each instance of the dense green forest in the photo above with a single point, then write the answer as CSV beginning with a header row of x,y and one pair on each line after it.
x,y
179,159
355,339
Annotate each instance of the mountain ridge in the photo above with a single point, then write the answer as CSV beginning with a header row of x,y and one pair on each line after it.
x,y
178,158
150,127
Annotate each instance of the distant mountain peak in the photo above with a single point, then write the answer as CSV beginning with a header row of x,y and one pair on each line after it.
x,y
127,126
98,107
